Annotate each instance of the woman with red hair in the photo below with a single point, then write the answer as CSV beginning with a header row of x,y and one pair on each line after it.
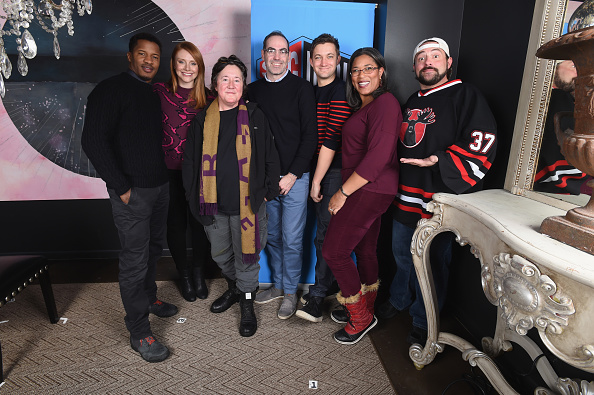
x,y
181,99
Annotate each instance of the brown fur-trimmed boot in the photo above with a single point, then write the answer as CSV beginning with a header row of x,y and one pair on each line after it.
x,y
360,321
369,294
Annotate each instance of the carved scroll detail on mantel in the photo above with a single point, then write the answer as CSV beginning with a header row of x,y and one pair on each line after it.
x,y
495,346
565,386
528,298
426,227
486,282
472,356
422,356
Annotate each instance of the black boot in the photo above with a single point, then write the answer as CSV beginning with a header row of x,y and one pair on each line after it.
x,y
186,286
248,323
227,299
340,315
199,283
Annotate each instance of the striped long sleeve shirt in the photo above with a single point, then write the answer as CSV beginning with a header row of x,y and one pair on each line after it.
x,y
332,112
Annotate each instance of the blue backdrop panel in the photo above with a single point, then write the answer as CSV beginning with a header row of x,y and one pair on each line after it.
x,y
351,23
302,21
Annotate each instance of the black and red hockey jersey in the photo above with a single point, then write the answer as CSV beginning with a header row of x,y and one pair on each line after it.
x,y
553,173
454,122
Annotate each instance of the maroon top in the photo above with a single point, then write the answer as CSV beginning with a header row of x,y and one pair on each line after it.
x,y
177,115
369,139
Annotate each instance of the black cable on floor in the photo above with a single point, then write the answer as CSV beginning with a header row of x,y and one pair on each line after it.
x,y
531,370
478,383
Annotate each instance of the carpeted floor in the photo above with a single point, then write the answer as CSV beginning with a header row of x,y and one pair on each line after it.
x,y
89,353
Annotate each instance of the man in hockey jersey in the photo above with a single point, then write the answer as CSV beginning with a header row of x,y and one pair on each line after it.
x,y
447,144
553,173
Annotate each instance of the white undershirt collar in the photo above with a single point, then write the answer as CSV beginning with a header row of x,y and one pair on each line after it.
x,y
284,75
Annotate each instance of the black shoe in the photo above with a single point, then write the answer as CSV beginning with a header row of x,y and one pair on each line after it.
x,y
227,299
385,311
248,323
150,349
187,287
417,335
312,311
199,283
162,309
343,337
340,315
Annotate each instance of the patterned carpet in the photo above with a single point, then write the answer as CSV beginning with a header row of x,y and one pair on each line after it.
x,y
90,352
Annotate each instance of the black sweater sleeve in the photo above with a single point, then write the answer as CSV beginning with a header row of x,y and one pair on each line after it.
x,y
272,160
100,127
309,133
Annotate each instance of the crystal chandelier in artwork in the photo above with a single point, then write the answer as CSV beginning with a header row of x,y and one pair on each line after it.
x,y
50,15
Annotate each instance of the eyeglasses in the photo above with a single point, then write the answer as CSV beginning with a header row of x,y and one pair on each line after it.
x,y
364,70
272,51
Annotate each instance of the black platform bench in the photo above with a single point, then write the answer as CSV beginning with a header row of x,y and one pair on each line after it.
x,y
18,271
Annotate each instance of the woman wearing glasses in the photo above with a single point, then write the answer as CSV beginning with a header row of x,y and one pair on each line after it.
x,y
370,182
181,99
231,167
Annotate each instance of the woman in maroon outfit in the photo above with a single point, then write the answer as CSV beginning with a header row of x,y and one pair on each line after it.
x,y
370,182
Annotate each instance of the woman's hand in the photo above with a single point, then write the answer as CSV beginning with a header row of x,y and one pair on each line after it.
x,y
336,203
315,194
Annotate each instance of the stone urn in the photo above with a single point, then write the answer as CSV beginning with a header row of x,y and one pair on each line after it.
x,y
576,228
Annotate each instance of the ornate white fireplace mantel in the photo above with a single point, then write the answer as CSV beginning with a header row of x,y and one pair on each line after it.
x,y
535,282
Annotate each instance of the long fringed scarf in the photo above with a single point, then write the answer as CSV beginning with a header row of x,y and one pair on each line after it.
x,y
250,240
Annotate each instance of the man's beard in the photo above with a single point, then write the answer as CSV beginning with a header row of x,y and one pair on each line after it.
x,y
430,82
564,85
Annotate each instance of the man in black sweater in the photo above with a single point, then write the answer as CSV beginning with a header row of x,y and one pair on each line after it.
x,y
122,138
289,104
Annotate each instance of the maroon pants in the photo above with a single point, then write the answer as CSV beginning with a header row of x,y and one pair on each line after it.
x,y
355,228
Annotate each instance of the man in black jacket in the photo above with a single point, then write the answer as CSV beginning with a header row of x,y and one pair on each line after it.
x,y
122,138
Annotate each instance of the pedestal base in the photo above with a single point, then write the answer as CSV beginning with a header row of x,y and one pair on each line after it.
x,y
572,229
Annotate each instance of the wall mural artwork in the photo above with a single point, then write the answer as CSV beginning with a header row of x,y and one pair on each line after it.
x,y
42,114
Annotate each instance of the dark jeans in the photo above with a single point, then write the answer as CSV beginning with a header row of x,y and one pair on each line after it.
x,y
178,218
405,290
355,228
324,278
141,228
